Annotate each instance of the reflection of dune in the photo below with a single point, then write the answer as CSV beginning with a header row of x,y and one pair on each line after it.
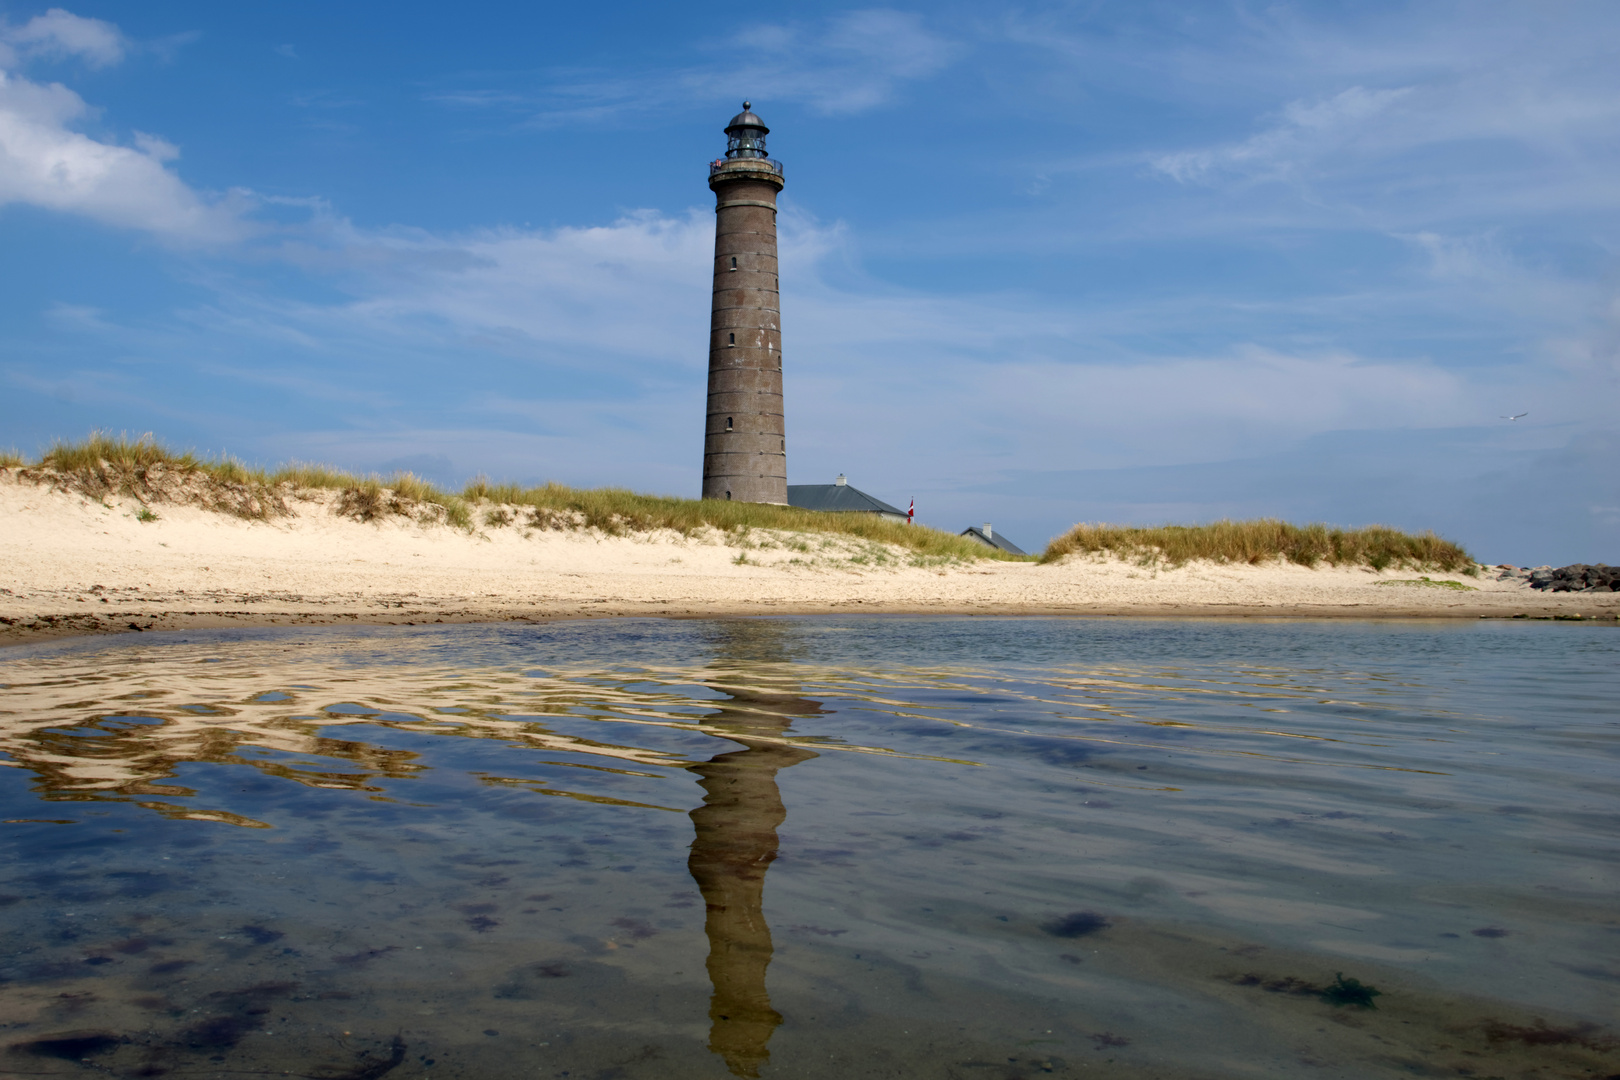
x,y
86,736
734,844
90,731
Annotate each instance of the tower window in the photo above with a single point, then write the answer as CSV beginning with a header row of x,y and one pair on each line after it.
x,y
728,423
728,495
734,262
731,339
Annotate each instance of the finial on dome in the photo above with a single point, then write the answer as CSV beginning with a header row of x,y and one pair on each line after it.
x,y
747,106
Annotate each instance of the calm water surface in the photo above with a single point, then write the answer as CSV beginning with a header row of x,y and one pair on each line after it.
x,y
815,848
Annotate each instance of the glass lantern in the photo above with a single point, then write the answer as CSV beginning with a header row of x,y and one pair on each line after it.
x,y
745,135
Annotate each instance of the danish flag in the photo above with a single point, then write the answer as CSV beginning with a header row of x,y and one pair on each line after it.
x,y
911,511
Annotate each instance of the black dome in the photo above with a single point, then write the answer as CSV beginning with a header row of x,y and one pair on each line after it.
x,y
746,118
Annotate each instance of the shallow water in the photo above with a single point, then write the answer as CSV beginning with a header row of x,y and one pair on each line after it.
x,y
814,847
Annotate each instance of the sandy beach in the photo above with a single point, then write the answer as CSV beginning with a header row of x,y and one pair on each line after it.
x,y
73,565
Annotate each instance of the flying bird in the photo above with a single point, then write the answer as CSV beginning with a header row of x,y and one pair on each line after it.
x,y
1517,415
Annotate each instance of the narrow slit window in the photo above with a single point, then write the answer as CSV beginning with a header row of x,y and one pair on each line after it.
x,y
731,339
728,423
734,262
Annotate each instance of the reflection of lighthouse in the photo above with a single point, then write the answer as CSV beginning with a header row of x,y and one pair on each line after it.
x,y
734,844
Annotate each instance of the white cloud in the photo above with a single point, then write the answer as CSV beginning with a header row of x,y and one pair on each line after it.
x,y
43,162
572,295
156,148
59,33
1010,378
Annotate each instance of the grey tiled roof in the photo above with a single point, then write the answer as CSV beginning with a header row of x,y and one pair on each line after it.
x,y
995,540
837,498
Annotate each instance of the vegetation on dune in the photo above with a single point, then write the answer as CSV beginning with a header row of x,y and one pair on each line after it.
x,y
144,469
1255,542
1426,583
618,512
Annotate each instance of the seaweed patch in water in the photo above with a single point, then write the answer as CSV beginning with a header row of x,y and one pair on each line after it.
x,y
1076,924
69,1045
1285,985
1585,1035
1341,991
1345,991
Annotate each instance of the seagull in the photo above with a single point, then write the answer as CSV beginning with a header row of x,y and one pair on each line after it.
x,y
1517,415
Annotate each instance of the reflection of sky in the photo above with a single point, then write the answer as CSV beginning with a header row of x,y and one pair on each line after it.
x,y
1141,263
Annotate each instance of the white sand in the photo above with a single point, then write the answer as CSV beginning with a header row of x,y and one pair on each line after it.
x,y
72,565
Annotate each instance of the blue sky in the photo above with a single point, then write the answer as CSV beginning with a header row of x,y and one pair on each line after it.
x,y
1042,263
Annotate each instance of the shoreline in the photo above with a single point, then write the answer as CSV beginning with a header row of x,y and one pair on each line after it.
x,y
72,566
68,625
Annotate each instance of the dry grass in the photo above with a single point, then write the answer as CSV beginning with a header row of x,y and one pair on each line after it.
x,y
145,469
150,472
1255,542
618,512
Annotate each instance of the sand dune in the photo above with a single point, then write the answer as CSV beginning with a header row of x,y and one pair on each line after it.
x,y
71,565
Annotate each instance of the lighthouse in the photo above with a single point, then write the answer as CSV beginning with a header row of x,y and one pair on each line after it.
x,y
744,434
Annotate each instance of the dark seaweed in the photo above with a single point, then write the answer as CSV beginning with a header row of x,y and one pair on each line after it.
x,y
218,1032
1076,924
1285,985
69,1045
1341,991
239,1012
1585,1035
1345,991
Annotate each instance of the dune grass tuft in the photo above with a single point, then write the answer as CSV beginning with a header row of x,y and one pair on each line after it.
x,y
145,469
1264,540
10,459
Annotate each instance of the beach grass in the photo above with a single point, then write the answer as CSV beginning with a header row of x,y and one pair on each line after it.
x,y
144,468
618,512
1264,540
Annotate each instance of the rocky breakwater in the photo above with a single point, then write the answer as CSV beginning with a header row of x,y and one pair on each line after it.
x,y
1579,577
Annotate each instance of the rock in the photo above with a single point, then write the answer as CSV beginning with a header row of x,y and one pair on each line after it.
x,y
1577,577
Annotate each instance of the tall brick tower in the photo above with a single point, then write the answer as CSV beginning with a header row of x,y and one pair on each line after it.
x,y
744,437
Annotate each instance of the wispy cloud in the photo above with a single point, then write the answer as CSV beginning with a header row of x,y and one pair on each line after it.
x,y
60,34
1303,132
849,63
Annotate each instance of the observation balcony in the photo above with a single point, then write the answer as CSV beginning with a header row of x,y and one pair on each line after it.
x,y
744,165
